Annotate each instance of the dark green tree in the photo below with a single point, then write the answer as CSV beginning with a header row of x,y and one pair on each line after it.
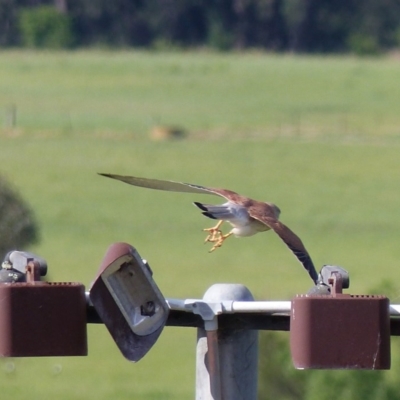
x,y
376,26
112,23
319,25
18,227
45,27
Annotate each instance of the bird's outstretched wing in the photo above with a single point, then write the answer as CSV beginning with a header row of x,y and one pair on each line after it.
x,y
171,186
293,242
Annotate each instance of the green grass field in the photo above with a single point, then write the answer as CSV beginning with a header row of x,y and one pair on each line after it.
x,y
122,94
317,136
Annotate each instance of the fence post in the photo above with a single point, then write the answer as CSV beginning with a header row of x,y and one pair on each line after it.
x,y
237,350
10,116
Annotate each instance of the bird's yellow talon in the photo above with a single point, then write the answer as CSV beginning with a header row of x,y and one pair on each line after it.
x,y
216,236
214,233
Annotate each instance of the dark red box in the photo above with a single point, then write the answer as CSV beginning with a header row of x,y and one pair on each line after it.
x,y
342,331
42,319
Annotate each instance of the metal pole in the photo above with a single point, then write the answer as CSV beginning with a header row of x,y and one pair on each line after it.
x,y
237,350
212,361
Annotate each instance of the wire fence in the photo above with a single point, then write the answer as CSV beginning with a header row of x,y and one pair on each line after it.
x,y
376,127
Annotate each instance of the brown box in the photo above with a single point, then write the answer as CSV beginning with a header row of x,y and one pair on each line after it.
x,y
42,319
340,331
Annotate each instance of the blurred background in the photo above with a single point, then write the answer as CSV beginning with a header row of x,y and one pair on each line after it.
x,y
277,25
292,102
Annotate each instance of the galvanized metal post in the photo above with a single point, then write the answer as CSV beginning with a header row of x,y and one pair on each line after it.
x,y
237,352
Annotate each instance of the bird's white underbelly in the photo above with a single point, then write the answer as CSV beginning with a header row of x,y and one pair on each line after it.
x,y
248,229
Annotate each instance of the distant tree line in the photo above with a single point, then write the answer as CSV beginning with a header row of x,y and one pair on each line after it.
x,y
366,26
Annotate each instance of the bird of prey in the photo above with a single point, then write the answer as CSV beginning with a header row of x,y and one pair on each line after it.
x,y
247,216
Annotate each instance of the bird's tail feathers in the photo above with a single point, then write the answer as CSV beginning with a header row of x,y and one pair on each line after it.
x,y
207,214
215,212
200,205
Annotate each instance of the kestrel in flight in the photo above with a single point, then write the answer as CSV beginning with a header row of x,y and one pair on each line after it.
x,y
247,216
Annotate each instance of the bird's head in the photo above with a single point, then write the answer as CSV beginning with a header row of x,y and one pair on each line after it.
x,y
276,209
